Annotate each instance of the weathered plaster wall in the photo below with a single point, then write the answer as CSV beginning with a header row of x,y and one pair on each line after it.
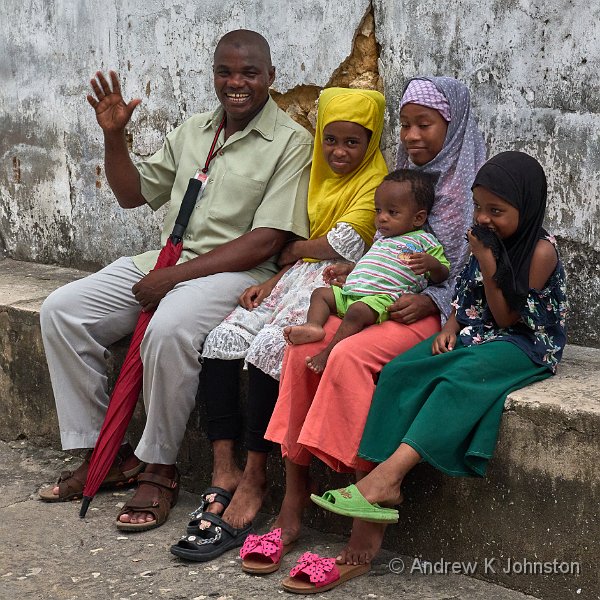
x,y
531,66
54,202
532,69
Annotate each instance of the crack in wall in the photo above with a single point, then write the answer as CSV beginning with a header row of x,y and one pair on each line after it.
x,y
359,70
72,195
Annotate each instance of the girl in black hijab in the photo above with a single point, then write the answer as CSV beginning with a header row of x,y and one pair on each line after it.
x,y
442,401
518,179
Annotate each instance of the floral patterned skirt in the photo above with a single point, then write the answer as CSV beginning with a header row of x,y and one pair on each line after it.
x,y
257,335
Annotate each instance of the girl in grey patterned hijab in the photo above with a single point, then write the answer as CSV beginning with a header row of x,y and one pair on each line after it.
x,y
455,166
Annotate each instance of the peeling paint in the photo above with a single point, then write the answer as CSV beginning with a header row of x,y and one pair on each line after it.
x,y
358,70
16,170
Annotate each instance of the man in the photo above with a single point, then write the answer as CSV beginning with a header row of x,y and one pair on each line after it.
x,y
255,198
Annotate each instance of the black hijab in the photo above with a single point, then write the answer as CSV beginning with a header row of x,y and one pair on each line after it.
x,y
520,180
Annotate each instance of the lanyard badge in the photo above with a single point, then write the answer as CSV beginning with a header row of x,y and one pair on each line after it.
x,y
201,177
197,183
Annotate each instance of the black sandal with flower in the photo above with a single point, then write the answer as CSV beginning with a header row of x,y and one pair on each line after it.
x,y
213,538
208,496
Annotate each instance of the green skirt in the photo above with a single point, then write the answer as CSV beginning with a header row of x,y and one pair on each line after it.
x,y
447,407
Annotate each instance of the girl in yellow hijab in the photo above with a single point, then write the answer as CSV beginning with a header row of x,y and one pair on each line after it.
x,y
346,169
335,197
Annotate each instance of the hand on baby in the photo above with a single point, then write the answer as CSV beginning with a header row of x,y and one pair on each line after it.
x,y
410,308
336,273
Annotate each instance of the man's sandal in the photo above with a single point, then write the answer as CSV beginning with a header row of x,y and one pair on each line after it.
x,y
71,483
168,492
208,496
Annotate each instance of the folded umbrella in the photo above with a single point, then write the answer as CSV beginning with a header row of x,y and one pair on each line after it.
x,y
129,383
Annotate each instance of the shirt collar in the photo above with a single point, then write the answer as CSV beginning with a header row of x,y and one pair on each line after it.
x,y
264,122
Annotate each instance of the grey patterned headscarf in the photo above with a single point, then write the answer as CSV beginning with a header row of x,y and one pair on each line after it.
x,y
456,165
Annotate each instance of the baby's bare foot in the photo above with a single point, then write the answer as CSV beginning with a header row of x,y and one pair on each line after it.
x,y
318,362
303,334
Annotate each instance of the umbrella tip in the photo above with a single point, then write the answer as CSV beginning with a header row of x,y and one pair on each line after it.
x,y
84,506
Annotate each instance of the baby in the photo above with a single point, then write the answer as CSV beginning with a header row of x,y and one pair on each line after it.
x,y
402,259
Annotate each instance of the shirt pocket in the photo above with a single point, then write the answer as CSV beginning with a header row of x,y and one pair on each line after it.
x,y
236,200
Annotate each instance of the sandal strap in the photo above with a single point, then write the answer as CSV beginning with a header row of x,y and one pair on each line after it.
x,y
64,475
168,492
268,544
199,541
69,484
208,496
217,494
159,480
217,521
319,569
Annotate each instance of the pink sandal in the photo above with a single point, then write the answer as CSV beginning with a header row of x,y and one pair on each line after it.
x,y
314,574
262,554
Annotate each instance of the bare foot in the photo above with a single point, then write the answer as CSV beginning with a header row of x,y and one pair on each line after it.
x,y
318,362
381,485
364,543
247,499
303,334
290,514
149,492
228,478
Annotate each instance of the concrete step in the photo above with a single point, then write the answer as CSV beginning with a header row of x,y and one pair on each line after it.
x,y
534,518
62,557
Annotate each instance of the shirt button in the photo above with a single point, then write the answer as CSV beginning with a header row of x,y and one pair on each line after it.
x,y
221,153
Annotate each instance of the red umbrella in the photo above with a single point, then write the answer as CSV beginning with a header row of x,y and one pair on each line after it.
x,y
129,383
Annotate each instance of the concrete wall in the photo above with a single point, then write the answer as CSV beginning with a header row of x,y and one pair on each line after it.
x,y
54,202
531,67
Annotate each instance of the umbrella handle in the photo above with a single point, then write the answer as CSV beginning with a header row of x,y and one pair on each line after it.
x,y
185,212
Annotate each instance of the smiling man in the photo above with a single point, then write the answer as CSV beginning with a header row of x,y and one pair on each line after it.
x,y
256,163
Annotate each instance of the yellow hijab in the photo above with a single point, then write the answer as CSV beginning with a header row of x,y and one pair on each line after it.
x,y
334,198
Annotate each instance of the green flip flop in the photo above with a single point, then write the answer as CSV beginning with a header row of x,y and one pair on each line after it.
x,y
349,502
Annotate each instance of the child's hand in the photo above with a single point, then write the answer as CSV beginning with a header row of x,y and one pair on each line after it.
x,y
336,273
254,295
420,262
478,248
444,342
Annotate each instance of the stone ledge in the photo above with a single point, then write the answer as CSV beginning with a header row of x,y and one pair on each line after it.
x,y
539,502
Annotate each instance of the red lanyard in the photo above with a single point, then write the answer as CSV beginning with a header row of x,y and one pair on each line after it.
x,y
212,152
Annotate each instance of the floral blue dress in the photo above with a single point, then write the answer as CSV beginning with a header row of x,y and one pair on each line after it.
x,y
540,332
448,406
